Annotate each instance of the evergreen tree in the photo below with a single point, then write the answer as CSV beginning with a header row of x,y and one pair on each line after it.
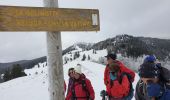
x,y
93,51
17,71
65,60
84,57
36,73
78,54
38,65
71,59
7,75
75,55
88,57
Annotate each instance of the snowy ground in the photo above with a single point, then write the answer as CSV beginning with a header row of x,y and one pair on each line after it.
x,y
35,85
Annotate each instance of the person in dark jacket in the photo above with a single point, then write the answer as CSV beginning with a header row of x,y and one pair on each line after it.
x,y
150,86
81,88
71,78
65,86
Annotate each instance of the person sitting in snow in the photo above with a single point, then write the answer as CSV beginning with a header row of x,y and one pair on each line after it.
x,y
151,85
116,79
81,88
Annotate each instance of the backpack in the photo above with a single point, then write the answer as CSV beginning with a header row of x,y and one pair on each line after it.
x,y
131,91
165,76
84,86
130,75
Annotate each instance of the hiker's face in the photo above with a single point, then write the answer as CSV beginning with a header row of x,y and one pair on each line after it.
x,y
71,73
110,60
114,67
76,75
153,80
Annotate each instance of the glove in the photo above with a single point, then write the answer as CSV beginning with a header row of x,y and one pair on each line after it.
x,y
103,93
154,90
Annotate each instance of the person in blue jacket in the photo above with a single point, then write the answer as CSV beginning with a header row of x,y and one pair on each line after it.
x,y
151,85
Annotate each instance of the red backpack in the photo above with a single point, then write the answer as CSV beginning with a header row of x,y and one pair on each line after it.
x,y
130,75
126,70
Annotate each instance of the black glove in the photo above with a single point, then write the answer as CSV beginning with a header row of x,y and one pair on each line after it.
x,y
103,93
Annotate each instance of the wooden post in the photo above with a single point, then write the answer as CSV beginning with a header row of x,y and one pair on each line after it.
x,y
17,18
54,60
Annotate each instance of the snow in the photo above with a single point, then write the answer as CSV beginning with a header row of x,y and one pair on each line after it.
x,y
35,85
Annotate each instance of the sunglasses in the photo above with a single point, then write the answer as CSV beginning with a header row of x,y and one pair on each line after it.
x,y
71,72
108,58
149,81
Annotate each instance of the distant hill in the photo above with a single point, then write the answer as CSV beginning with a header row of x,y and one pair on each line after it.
x,y
136,46
26,64
130,46
84,46
126,45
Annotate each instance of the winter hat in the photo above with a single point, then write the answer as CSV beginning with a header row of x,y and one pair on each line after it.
x,y
150,58
149,70
112,56
77,69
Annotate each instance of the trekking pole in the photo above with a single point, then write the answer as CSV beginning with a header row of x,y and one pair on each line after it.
x,y
103,97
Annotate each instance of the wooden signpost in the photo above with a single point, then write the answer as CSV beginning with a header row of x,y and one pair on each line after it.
x,y
14,18
51,19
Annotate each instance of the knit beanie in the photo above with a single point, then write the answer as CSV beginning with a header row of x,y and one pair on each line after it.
x,y
150,58
77,69
149,70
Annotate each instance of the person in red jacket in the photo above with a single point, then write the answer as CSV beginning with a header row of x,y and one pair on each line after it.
x,y
81,88
117,85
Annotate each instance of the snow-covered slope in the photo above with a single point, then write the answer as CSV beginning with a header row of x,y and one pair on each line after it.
x,y
31,87
35,85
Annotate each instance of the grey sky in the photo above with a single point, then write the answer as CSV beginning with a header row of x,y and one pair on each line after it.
x,y
134,17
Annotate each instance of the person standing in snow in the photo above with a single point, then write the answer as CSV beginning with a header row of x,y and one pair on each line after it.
x,y
116,79
81,88
71,78
151,85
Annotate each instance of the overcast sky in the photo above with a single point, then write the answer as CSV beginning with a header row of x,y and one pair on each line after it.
x,y
149,18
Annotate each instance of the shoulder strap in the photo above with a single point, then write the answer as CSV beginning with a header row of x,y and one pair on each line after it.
x,y
85,87
73,92
165,73
139,93
125,74
131,91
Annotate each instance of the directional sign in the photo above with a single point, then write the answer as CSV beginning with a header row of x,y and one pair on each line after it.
x,y
14,18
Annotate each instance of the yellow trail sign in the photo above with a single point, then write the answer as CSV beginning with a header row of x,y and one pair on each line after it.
x,y
14,18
